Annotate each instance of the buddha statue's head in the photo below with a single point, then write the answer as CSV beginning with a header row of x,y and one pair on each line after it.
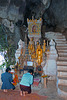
x,y
39,47
44,41
37,43
31,39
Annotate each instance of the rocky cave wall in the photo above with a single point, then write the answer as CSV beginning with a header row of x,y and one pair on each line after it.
x,y
53,13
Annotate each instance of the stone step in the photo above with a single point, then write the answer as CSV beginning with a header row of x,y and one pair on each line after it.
x,y
60,35
60,41
61,63
53,33
62,54
63,39
62,68
61,44
64,78
58,38
62,74
61,47
62,93
62,58
64,50
57,33
62,82
63,87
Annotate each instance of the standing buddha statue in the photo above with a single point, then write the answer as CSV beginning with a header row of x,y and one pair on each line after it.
x,y
31,46
37,44
39,54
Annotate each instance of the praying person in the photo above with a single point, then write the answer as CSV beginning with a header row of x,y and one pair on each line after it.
x,y
7,80
26,82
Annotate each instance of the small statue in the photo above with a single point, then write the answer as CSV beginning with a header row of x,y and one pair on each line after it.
x,y
32,40
21,59
39,54
37,44
44,46
31,46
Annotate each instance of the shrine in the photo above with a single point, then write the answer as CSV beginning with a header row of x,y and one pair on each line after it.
x,y
34,55
34,29
33,49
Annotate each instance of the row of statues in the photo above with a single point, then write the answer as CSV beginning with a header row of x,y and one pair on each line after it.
x,y
36,52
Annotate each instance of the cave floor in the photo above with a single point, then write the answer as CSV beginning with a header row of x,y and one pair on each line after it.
x,y
48,93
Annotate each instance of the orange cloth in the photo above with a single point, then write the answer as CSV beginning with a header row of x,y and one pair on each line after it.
x,y
15,81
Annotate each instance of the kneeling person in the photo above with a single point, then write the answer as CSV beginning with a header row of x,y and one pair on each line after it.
x,y
26,82
7,80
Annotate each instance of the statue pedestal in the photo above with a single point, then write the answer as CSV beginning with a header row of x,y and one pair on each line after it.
x,y
50,67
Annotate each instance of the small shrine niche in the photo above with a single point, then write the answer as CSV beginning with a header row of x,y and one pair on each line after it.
x,y
34,28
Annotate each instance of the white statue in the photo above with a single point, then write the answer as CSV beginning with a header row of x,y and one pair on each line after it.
x,y
52,45
21,45
50,67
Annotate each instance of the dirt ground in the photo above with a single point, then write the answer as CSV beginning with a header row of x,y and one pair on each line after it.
x,y
50,91
38,93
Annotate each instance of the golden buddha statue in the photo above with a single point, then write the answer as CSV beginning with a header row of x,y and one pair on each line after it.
x,y
33,56
37,44
31,46
44,46
32,40
39,54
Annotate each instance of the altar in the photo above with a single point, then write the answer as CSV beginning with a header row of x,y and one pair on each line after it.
x,y
36,51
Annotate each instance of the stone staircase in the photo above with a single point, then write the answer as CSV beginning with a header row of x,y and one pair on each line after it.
x,y
61,46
